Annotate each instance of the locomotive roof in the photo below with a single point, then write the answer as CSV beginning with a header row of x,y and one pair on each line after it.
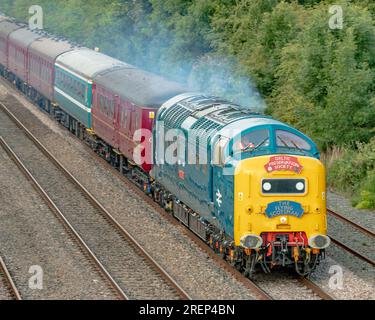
x,y
23,37
7,26
215,109
139,86
210,114
88,63
50,48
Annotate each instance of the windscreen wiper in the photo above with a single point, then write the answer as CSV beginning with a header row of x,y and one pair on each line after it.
x,y
298,148
289,147
256,147
284,143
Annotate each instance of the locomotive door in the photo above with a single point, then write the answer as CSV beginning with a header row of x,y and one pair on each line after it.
x,y
116,122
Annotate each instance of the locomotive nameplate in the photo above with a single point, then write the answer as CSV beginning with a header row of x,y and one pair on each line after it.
x,y
283,163
289,208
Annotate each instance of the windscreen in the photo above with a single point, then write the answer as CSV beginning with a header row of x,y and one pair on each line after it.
x,y
290,140
252,141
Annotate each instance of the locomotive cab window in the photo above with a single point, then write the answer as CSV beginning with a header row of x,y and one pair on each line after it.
x,y
252,141
290,140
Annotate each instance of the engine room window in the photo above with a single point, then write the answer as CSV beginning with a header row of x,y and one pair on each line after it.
x,y
252,141
290,140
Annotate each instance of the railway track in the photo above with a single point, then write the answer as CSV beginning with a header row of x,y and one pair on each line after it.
x,y
255,288
351,223
7,284
133,273
68,227
258,290
319,292
356,226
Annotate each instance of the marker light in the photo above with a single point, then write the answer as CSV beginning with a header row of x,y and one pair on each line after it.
x,y
283,220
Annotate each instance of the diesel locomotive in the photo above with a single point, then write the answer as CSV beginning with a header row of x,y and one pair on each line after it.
x,y
251,187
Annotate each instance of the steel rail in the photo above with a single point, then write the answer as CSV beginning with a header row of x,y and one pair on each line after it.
x,y
315,288
8,278
352,251
351,223
165,275
356,226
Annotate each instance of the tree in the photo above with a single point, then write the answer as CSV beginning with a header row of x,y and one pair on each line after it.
x,y
330,73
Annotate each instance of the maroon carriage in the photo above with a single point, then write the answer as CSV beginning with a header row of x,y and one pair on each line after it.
x,y
41,61
7,26
19,42
127,100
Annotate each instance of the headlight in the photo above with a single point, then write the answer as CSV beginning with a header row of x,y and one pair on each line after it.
x,y
319,241
251,241
267,186
300,186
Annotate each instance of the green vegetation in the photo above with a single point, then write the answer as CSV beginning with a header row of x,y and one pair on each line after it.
x,y
354,172
320,80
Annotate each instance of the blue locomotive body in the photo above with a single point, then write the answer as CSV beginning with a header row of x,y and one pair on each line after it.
x,y
200,123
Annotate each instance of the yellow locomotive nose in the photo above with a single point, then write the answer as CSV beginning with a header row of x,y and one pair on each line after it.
x,y
280,194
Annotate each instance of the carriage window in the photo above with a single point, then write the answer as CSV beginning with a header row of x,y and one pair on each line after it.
x,y
101,104
49,75
290,140
137,121
112,107
123,117
82,91
107,107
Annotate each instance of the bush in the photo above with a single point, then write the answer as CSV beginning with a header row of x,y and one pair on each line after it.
x,y
366,197
355,173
